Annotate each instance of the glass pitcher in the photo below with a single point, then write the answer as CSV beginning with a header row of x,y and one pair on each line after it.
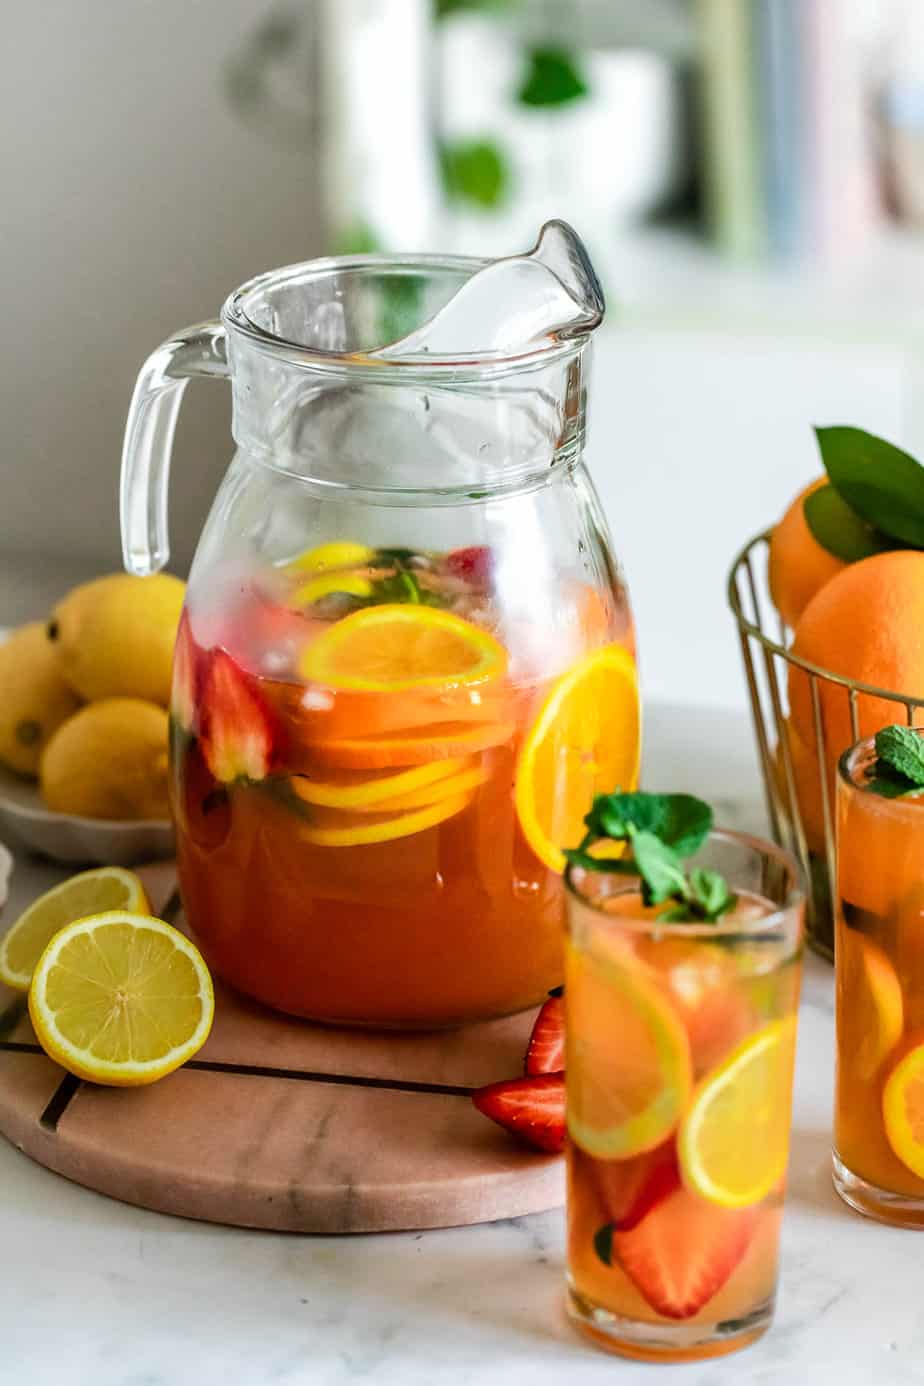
x,y
406,661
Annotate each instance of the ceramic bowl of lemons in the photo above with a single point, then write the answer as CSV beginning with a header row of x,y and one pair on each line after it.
x,y
83,723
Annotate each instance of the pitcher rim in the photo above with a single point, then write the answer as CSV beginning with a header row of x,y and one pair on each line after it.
x,y
458,365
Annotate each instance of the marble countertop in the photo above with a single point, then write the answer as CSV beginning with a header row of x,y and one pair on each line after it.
x,y
96,1293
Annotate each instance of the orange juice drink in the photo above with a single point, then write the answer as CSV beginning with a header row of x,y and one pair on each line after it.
x,y
680,1048
372,792
879,958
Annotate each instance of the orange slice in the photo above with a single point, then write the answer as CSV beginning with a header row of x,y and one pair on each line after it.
x,y
871,1013
903,1110
355,790
734,1141
394,647
628,1057
443,741
585,741
333,829
435,792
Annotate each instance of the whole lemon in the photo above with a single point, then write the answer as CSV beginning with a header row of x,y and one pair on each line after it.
x,y
109,761
34,699
114,636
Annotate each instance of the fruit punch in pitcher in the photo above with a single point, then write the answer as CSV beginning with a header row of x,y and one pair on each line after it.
x,y
879,960
406,663
681,1024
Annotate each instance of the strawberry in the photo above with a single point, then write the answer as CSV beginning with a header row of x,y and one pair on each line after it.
x,y
187,670
238,730
630,1189
474,564
683,1251
545,1052
532,1108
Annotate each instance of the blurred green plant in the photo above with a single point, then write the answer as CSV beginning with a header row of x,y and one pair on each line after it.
x,y
553,78
443,8
474,171
358,238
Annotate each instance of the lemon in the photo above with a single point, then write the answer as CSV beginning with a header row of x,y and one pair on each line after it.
x,y
121,999
115,636
339,553
109,761
34,698
104,888
734,1140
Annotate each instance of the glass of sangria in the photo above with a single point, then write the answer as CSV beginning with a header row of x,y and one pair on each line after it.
x,y
878,1153
680,1050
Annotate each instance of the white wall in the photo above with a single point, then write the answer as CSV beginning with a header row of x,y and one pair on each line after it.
x,y
133,199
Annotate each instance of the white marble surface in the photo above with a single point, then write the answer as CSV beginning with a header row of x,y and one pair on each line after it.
x,y
98,1294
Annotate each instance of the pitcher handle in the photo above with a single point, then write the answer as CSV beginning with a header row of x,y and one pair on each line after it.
x,y
195,351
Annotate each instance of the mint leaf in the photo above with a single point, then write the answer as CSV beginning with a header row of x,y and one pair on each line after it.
x,y
880,482
680,820
840,530
710,894
603,1243
659,866
901,750
552,79
474,171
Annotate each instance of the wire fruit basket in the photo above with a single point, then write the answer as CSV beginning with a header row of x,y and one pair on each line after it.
x,y
798,768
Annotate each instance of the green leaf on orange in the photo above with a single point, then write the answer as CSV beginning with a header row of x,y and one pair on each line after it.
x,y
882,484
840,530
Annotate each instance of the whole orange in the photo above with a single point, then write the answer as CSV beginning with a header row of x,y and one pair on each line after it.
x,y
866,624
799,566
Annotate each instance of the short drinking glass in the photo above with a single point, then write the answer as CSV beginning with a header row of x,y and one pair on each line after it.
x,y
680,1049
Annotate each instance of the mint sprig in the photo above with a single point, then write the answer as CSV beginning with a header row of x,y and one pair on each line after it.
x,y
660,830
899,769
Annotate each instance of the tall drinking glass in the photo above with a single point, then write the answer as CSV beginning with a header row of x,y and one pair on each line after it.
x,y
680,1047
879,959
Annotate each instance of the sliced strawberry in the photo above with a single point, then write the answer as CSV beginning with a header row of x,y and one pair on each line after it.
x,y
237,726
630,1189
475,564
684,1251
545,1052
532,1108
188,660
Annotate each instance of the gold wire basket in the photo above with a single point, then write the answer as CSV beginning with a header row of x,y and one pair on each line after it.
x,y
766,656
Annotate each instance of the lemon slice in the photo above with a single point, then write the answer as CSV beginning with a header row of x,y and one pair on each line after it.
x,y
734,1141
339,553
903,1110
92,892
121,999
871,1008
359,791
334,829
585,741
628,1063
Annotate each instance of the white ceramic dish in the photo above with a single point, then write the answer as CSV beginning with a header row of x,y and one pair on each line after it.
x,y
6,871
65,838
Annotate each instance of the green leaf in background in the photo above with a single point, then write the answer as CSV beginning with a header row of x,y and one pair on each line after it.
x,y
553,78
474,171
880,482
356,239
400,309
840,529
444,8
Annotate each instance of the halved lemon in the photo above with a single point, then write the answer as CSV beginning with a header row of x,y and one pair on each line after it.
x,y
903,1109
121,999
871,1012
628,1061
334,829
734,1140
91,892
585,741
394,647
354,790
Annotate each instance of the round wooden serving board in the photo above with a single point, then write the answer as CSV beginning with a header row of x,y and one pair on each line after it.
x,y
280,1124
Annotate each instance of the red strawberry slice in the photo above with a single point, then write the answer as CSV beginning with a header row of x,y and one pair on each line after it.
x,y
630,1189
187,661
532,1108
474,564
546,1050
684,1251
237,726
